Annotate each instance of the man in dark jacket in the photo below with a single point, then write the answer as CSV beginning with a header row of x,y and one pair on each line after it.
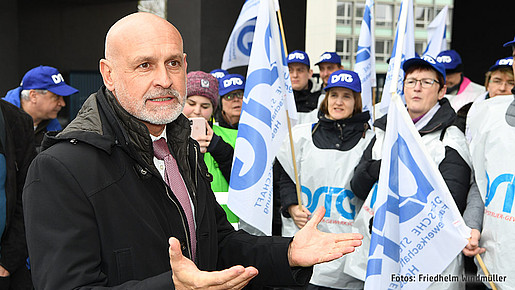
x,y
41,96
305,92
16,152
100,208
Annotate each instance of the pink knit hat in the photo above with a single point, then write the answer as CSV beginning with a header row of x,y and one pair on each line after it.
x,y
203,84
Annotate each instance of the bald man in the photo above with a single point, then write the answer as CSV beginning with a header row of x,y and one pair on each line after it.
x,y
103,212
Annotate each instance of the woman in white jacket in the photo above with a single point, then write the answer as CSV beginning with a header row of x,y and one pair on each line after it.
x,y
326,154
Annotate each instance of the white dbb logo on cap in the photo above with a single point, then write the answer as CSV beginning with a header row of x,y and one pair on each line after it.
x,y
506,62
343,77
57,78
232,82
444,59
325,56
429,59
296,55
218,74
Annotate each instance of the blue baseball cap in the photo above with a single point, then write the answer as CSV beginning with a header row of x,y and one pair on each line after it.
x,y
344,79
425,60
219,73
46,78
231,82
298,56
331,57
503,62
449,58
509,43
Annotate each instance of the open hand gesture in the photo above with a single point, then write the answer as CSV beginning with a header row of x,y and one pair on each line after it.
x,y
311,246
186,275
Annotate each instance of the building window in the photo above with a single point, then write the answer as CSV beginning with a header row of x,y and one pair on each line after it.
x,y
358,16
423,16
383,49
420,47
384,15
343,48
344,13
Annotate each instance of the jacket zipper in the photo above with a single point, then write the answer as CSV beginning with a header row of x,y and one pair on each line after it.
x,y
196,165
188,242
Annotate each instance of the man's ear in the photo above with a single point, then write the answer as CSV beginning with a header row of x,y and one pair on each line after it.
x,y
32,96
185,63
310,73
442,92
107,74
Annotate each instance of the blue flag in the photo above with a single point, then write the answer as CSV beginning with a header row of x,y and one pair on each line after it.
x,y
237,50
263,124
417,229
436,31
365,60
407,52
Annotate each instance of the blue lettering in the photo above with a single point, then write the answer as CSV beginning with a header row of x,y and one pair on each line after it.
x,y
510,191
339,204
245,48
340,193
241,182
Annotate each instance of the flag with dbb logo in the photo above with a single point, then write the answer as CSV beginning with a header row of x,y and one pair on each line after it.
x,y
417,229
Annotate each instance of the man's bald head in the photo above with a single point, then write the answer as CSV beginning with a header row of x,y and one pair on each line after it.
x,y
132,27
145,68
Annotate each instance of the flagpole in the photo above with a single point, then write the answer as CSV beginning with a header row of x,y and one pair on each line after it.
x,y
400,44
487,274
297,182
374,85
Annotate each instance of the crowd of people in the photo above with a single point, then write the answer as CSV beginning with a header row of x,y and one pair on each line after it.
x,y
125,197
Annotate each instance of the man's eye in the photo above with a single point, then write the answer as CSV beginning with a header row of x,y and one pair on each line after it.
x,y
174,63
144,65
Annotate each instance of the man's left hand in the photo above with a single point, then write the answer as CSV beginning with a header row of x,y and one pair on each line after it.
x,y
4,272
311,246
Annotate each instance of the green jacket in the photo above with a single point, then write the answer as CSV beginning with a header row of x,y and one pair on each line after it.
x,y
219,183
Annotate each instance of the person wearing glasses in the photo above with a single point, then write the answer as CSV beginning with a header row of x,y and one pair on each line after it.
x,y
433,116
231,88
499,81
491,216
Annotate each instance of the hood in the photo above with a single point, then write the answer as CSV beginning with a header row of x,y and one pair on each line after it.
x,y
13,96
86,127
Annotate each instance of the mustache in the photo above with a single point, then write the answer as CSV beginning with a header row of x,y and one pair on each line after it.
x,y
156,93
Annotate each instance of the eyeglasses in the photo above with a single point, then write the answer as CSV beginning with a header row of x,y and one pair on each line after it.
x,y
233,95
425,83
499,82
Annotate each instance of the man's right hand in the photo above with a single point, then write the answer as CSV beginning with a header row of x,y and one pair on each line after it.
x,y
299,215
186,275
472,248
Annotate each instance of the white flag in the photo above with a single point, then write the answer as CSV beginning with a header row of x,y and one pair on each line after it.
x,y
263,125
408,51
417,228
436,31
238,47
365,60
